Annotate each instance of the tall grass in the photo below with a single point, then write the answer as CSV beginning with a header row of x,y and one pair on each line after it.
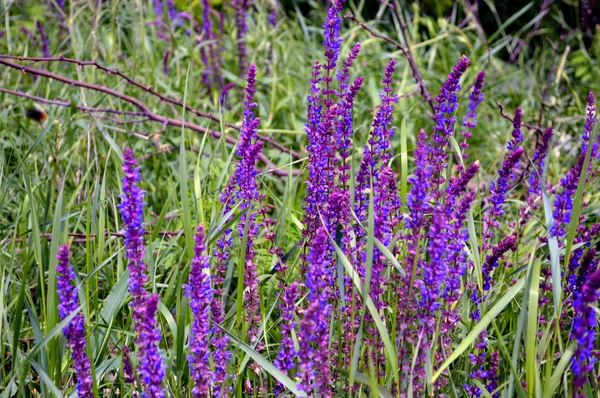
x,y
60,182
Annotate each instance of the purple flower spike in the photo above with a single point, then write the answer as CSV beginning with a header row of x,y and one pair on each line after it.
x,y
332,43
287,351
517,134
563,204
200,293
315,369
128,372
584,325
445,119
241,12
498,190
470,119
491,261
44,40
273,6
75,330
144,304
536,179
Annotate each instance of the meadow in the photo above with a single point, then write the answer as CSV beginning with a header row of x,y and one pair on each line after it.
x,y
274,199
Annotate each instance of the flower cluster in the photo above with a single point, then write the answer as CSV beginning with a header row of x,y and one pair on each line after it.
x,y
470,120
563,204
584,325
200,293
75,329
144,304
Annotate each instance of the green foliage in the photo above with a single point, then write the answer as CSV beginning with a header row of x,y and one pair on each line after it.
x,y
60,182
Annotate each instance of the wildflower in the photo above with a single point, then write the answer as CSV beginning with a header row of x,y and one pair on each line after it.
x,y
75,330
287,351
44,40
332,43
445,119
306,353
563,204
491,261
241,12
584,326
243,190
498,190
200,294
314,354
144,304
273,6
470,119
207,33
166,68
536,179
127,366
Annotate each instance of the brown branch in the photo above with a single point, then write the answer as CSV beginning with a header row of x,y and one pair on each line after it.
x,y
129,80
68,104
147,88
272,168
407,53
529,126
81,237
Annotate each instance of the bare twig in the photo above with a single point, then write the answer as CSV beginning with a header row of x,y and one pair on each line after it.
x,y
407,53
128,79
147,88
68,104
145,111
507,117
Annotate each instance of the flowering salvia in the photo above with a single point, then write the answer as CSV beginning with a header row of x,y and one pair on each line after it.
x,y
314,354
199,292
75,330
44,40
470,119
144,304
563,204
446,104
584,325
241,13
321,310
536,178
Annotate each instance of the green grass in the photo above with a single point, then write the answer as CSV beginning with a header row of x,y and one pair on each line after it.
x,y
63,177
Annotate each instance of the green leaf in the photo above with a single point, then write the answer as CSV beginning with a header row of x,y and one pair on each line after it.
x,y
485,321
265,364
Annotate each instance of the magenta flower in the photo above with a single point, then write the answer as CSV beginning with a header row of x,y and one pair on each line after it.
x,y
144,304
200,293
75,330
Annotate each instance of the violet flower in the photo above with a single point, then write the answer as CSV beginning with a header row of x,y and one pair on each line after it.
x,y
165,62
563,204
498,190
332,43
287,351
242,189
75,330
445,119
273,6
128,372
584,327
200,294
208,35
470,120
315,369
536,179
491,261
44,40
144,304
241,12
